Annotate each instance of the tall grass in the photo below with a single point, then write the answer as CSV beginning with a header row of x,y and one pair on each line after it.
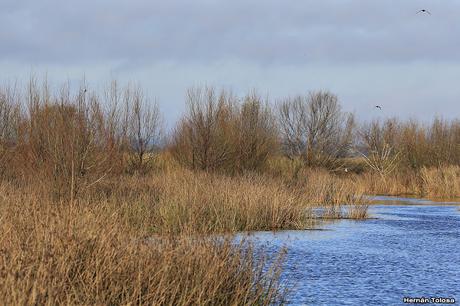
x,y
92,253
339,195
441,182
434,182
209,203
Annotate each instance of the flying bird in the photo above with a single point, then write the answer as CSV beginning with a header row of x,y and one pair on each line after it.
x,y
424,11
378,106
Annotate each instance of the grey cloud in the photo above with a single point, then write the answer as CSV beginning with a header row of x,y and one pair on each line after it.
x,y
261,31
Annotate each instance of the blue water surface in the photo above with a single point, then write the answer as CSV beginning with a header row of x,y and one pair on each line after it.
x,y
407,251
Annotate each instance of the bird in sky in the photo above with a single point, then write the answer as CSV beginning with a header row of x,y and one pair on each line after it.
x,y
378,106
424,11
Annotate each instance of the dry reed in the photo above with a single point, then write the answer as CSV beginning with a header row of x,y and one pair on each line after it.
x,y
91,253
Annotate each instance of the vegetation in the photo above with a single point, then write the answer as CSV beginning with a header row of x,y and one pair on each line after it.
x,y
220,134
314,129
411,157
99,206
104,253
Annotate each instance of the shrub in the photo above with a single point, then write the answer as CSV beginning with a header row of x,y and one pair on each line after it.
x,y
219,134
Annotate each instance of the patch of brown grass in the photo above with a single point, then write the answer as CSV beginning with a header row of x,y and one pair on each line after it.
x,y
337,193
434,182
398,183
92,253
441,182
184,201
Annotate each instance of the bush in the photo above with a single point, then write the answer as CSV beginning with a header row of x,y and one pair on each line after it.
x,y
219,134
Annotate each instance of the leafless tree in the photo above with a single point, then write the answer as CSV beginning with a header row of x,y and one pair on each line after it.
x,y
144,130
10,116
257,133
67,139
315,129
202,140
378,144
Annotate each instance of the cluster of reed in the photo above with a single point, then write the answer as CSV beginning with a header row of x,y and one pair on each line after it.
x,y
433,182
337,193
97,253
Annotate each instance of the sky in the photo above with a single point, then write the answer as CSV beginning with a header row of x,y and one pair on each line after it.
x,y
368,53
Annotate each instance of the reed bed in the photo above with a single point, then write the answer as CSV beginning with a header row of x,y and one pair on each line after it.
x,y
433,182
177,201
441,182
338,195
91,253
208,203
205,202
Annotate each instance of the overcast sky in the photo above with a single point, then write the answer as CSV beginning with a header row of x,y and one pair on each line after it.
x,y
368,52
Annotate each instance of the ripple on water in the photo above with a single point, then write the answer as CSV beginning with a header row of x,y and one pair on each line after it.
x,y
408,251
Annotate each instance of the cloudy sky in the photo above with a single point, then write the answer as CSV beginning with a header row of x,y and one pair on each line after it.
x,y
367,52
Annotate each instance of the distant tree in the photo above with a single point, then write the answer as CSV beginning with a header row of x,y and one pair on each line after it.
x,y
257,137
315,129
144,129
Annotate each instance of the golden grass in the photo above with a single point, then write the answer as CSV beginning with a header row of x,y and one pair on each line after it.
x,y
434,182
337,193
441,182
184,201
175,200
395,184
92,253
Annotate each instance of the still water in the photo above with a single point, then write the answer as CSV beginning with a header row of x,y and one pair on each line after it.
x,y
410,249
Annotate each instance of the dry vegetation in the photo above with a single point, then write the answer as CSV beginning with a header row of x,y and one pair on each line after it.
x,y
103,253
411,158
220,134
99,207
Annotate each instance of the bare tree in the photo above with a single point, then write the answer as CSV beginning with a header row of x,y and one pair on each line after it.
x,y
202,138
144,130
377,146
315,129
10,116
69,140
257,134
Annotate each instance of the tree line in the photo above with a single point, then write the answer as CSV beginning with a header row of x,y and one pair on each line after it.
x,y
75,140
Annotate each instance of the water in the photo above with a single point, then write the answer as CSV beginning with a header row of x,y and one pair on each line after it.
x,y
408,251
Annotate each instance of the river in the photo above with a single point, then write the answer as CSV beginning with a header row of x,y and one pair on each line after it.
x,y
410,248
